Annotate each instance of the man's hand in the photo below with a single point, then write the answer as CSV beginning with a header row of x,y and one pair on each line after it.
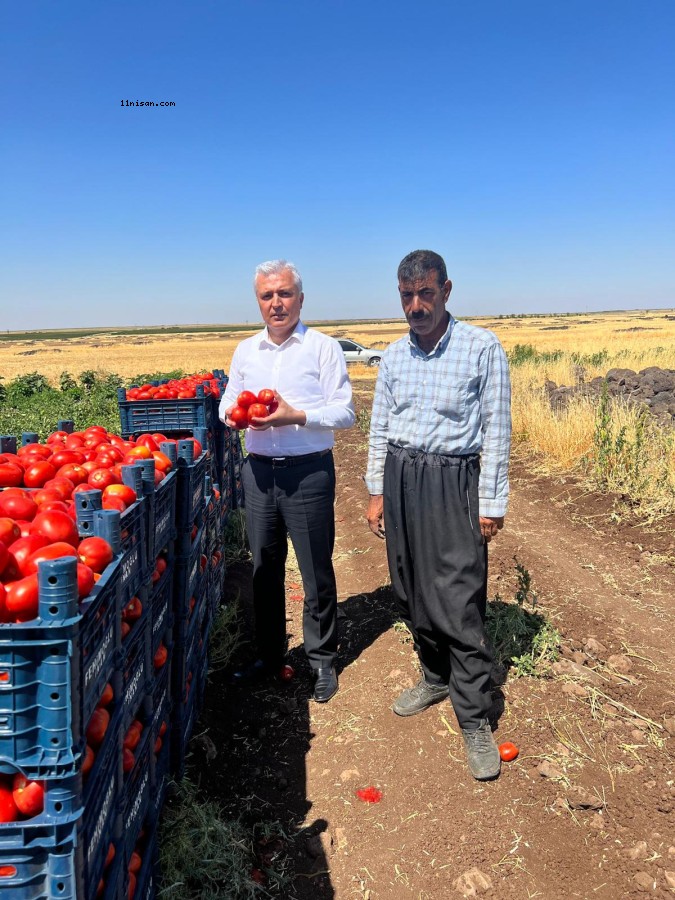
x,y
228,420
489,526
284,414
375,514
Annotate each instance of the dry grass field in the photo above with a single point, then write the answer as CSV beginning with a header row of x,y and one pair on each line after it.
x,y
560,348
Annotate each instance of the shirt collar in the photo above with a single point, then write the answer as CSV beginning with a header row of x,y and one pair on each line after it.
x,y
442,341
298,336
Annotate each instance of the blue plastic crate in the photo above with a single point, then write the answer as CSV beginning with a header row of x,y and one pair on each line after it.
x,y
137,667
62,852
216,586
164,529
53,670
146,880
161,608
165,416
190,491
136,793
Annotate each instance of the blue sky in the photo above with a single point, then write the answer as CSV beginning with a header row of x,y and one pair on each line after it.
x,y
530,143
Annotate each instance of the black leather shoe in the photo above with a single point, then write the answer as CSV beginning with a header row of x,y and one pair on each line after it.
x,y
254,672
326,684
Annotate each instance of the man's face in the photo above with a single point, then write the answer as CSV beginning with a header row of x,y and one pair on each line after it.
x,y
423,303
280,301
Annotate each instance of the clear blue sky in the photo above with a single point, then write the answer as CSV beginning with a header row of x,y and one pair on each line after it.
x,y
530,143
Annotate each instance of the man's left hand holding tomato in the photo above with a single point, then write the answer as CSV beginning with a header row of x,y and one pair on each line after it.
x,y
284,414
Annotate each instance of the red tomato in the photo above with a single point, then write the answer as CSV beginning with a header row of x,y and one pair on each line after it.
x,y
161,656
29,796
128,760
239,416
135,863
8,810
26,528
37,473
19,505
245,399
139,452
131,887
274,406
508,751
4,615
88,760
96,553
131,738
162,461
110,855
266,396
159,438
287,673
54,504
133,610
57,550
9,531
34,450
73,472
10,475
63,485
257,411
107,696
23,549
85,581
147,440
56,526
67,458
21,601
97,727
160,565
4,557
122,491
45,495
101,478
114,503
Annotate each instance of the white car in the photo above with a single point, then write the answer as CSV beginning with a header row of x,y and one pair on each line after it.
x,y
355,353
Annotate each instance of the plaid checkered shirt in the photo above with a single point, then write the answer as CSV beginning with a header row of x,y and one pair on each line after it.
x,y
455,400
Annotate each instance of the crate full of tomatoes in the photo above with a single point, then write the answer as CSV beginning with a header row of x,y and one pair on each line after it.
x,y
171,406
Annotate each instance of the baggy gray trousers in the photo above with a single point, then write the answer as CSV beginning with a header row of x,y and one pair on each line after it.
x,y
438,567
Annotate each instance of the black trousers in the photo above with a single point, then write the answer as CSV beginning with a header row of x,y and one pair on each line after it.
x,y
438,567
297,501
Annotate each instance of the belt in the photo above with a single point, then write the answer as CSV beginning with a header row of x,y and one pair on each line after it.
x,y
282,462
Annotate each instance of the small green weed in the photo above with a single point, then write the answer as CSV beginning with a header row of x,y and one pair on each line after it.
x,y
363,420
523,640
207,856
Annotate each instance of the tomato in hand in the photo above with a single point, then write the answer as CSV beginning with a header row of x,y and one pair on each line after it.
x,y
257,411
239,416
508,751
266,396
245,399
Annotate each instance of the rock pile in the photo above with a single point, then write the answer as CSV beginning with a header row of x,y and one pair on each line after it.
x,y
653,387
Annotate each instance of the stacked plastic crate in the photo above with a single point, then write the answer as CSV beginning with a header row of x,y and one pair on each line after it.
x,y
198,567
62,711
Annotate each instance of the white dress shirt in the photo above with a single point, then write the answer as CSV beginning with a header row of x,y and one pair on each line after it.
x,y
310,373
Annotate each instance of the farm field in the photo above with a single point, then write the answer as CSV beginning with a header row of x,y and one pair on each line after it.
x,y
588,808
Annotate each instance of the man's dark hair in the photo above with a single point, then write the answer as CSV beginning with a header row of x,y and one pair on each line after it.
x,y
419,263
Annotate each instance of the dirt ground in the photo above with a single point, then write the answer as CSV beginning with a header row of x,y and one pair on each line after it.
x,y
587,809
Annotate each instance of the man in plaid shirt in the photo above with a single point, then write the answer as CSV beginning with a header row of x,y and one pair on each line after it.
x,y
440,439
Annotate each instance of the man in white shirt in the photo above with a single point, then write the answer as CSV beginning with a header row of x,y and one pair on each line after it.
x,y
288,475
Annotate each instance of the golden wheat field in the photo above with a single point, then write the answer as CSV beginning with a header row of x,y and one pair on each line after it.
x,y
562,348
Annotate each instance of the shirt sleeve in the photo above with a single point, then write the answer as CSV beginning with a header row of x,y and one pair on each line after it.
x,y
338,409
235,385
379,430
495,407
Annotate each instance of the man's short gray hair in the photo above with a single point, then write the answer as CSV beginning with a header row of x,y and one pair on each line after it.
x,y
275,267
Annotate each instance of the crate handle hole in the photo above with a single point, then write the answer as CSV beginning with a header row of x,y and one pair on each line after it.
x,y
85,526
58,807
53,579
54,651
60,887
55,741
54,695
53,610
